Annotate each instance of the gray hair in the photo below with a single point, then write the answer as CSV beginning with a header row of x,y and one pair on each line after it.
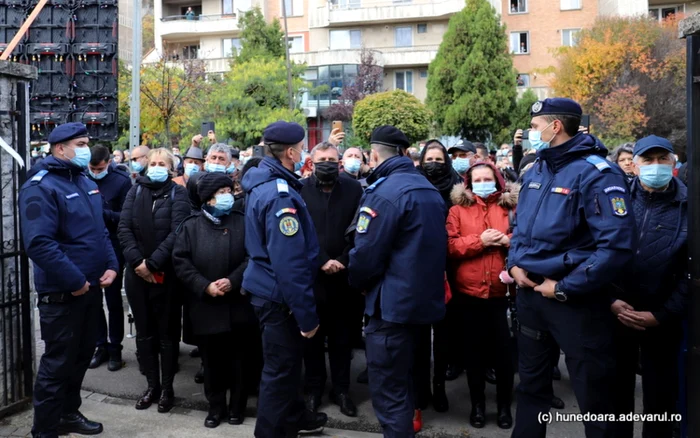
x,y
221,148
323,146
626,148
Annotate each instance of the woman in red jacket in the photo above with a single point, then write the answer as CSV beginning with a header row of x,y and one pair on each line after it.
x,y
478,230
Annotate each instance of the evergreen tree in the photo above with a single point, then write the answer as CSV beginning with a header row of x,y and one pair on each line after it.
x,y
259,39
396,108
471,82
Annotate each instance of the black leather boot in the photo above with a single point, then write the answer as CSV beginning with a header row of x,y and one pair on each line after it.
x,y
148,359
98,358
478,416
505,418
115,358
168,359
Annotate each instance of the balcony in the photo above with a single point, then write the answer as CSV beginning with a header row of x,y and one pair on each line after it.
x,y
178,26
391,57
211,65
351,12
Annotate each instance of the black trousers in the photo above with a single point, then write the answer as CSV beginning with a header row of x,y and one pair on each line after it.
x,y
336,323
157,312
486,342
659,355
115,308
225,357
69,331
440,342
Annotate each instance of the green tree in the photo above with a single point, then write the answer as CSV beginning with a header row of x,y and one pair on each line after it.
x,y
258,38
396,108
519,118
471,82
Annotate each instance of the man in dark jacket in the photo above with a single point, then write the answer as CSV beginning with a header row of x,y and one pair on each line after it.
x,y
654,298
332,201
65,237
399,260
113,184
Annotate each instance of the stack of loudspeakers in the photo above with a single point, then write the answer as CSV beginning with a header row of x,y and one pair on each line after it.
x,y
73,44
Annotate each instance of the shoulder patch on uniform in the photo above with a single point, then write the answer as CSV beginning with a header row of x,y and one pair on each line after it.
x,y
72,195
618,205
600,163
39,175
94,192
369,211
614,189
289,226
561,190
285,211
282,186
376,183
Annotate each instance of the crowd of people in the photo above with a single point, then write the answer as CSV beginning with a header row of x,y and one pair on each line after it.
x,y
466,259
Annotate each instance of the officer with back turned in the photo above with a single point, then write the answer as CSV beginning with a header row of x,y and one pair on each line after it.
x,y
399,259
283,250
65,236
573,236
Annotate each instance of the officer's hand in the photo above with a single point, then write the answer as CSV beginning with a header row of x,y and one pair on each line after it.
x,y
336,137
644,319
224,285
309,335
620,306
213,290
107,278
81,291
546,288
518,137
520,277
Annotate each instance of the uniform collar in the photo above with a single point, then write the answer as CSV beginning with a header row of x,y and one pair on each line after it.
x,y
277,169
399,163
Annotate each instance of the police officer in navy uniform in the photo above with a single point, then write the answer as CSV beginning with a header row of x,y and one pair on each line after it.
x,y
574,234
65,236
114,184
399,260
281,242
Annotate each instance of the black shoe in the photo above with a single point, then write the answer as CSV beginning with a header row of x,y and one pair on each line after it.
x,y
478,416
363,377
313,422
98,358
199,377
452,373
213,420
148,398
313,402
77,423
490,376
556,373
558,403
195,352
115,360
347,406
440,403
167,401
505,418
235,418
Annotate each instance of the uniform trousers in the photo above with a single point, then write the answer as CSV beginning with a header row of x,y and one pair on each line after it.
x,y
69,331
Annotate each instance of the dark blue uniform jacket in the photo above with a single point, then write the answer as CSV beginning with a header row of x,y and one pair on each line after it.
x,y
574,222
113,188
63,229
657,281
281,241
401,246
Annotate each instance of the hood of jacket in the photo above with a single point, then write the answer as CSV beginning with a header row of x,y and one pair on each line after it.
x,y
397,164
54,165
268,170
507,198
578,146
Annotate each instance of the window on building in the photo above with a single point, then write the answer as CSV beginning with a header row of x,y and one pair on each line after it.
x,y
345,39
570,4
423,28
296,44
663,12
227,7
518,6
404,81
523,80
190,52
569,37
424,74
345,4
520,43
229,45
294,7
404,36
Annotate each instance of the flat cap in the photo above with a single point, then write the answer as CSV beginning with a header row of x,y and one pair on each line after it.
x,y
284,133
557,106
210,182
389,136
652,142
194,153
464,146
67,131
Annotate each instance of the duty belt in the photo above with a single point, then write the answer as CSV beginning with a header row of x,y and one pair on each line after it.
x,y
537,335
56,298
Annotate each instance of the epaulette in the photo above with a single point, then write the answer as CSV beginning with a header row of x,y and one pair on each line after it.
x,y
282,187
376,183
36,179
599,162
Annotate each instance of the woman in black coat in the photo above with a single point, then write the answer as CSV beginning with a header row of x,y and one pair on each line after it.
x,y
210,258
154,209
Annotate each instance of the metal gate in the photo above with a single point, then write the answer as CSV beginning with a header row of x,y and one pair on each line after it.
x,y
16,346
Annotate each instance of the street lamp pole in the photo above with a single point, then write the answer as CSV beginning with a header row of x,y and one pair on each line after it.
x,y
286,50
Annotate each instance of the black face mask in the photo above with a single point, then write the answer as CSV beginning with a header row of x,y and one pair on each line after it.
x,y
434,169
326,172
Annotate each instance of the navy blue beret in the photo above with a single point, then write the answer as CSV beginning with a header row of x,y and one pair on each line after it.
x,y
284,133
67,131
557,106
651,142
389,136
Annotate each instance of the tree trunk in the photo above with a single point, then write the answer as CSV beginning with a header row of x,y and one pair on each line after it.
x,y
166,121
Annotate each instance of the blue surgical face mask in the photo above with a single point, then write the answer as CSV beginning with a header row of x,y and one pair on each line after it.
x,y
655,176
299,164
191,168
138,167
484,189
535,139
230,169
82,157
352,165
157,174
98,175
461,165
224,204
213,168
